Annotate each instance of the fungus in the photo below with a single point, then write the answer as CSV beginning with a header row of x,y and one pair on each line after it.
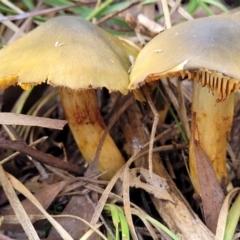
x,y
77,57
205,51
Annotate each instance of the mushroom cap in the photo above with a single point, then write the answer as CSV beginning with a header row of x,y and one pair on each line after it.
x,y
205,49
67,51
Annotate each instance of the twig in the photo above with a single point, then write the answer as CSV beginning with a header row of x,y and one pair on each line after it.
x,y
17,153
40,156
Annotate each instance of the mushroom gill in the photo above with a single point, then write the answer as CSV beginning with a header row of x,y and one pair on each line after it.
x,y
214,81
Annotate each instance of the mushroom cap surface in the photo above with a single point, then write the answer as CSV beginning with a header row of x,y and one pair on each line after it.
x,y
67,51
208,44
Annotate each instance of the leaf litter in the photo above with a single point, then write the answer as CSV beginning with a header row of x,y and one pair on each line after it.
x,y
167,200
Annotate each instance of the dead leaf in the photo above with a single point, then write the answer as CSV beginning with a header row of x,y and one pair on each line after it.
x,y
2,237
78,206
16,205
155,185
211,193
22,189
44,196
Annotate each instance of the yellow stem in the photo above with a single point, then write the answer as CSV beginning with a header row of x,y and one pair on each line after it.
x,y
87,126
211,125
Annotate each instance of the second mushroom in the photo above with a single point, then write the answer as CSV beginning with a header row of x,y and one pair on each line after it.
x,y
205,51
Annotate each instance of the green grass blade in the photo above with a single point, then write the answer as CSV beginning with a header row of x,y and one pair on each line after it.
x,y
21,101
192,6
97,11
232,219
29,4
115,7
154,223
57,3
216,4
145,2
206,8
115,217
124,225
6,10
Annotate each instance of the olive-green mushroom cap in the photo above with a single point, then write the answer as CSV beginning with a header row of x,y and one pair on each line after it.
x,y
67,51
206,50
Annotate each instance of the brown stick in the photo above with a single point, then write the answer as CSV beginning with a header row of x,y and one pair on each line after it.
x,y
40,156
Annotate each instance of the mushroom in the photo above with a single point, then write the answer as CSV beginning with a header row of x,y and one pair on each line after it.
x,y
205,51
77,57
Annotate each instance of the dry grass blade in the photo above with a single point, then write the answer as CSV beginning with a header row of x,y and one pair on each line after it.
x,y
9,118
166,14
103,199
12,6
222,219
183,110
154,128
22,189
126,196
178,104
124,172
11,219
16,205
12,26
149,24
180,10
165,148
44,196
91,231
93,228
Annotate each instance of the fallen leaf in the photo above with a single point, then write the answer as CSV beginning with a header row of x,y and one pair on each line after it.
x,y
156,185
211,193
23,190
78,206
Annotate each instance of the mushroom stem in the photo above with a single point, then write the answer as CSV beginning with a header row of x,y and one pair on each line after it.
x,y
211,125
87,126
